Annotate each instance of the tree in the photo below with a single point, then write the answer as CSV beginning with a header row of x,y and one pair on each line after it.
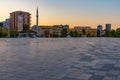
x,y
112,33
26,28
74,34
16,33
88,35
107,33
84,32
64,33
4,32
118,32
71,33
0,31
13,33
98,33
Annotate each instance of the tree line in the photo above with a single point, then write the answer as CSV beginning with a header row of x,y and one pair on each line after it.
x,y
4,32
113,33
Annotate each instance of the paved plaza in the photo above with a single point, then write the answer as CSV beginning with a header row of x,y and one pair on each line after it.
x,y
60,59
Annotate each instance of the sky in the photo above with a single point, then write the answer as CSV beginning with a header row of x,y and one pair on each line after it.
x,y
71,12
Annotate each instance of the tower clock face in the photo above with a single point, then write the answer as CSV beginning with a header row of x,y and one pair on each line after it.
x,y
20,18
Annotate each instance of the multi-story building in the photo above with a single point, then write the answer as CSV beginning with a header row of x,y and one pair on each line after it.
x,y
1,24
5,24
108,27
86,31
48,31
19,19
58,28
43,31
93,32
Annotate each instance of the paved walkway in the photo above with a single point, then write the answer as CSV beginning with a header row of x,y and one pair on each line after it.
x,y
60,59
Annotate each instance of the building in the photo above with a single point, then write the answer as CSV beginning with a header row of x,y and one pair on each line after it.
x,y
86,31
50,31
19,19
43,31
108,27
1,24
58,28
99,30
5,24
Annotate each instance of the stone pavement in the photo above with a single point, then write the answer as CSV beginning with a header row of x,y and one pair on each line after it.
x,y
56,59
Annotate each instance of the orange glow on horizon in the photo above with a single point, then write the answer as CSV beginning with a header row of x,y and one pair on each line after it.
x,y
76,13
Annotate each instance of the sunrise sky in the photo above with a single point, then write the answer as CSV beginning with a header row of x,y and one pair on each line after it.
x,y
71,12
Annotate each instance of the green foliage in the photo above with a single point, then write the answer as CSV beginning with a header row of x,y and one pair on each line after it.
x,y
88,35
113,33
13,33
71,33
64,33
26,28
118,32
0,31
107,34
74,34
5,33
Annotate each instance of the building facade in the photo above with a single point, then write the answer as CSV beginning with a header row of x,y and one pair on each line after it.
x,y
50,31
2,24
108,27
58,28
86,31
6,23
19,19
